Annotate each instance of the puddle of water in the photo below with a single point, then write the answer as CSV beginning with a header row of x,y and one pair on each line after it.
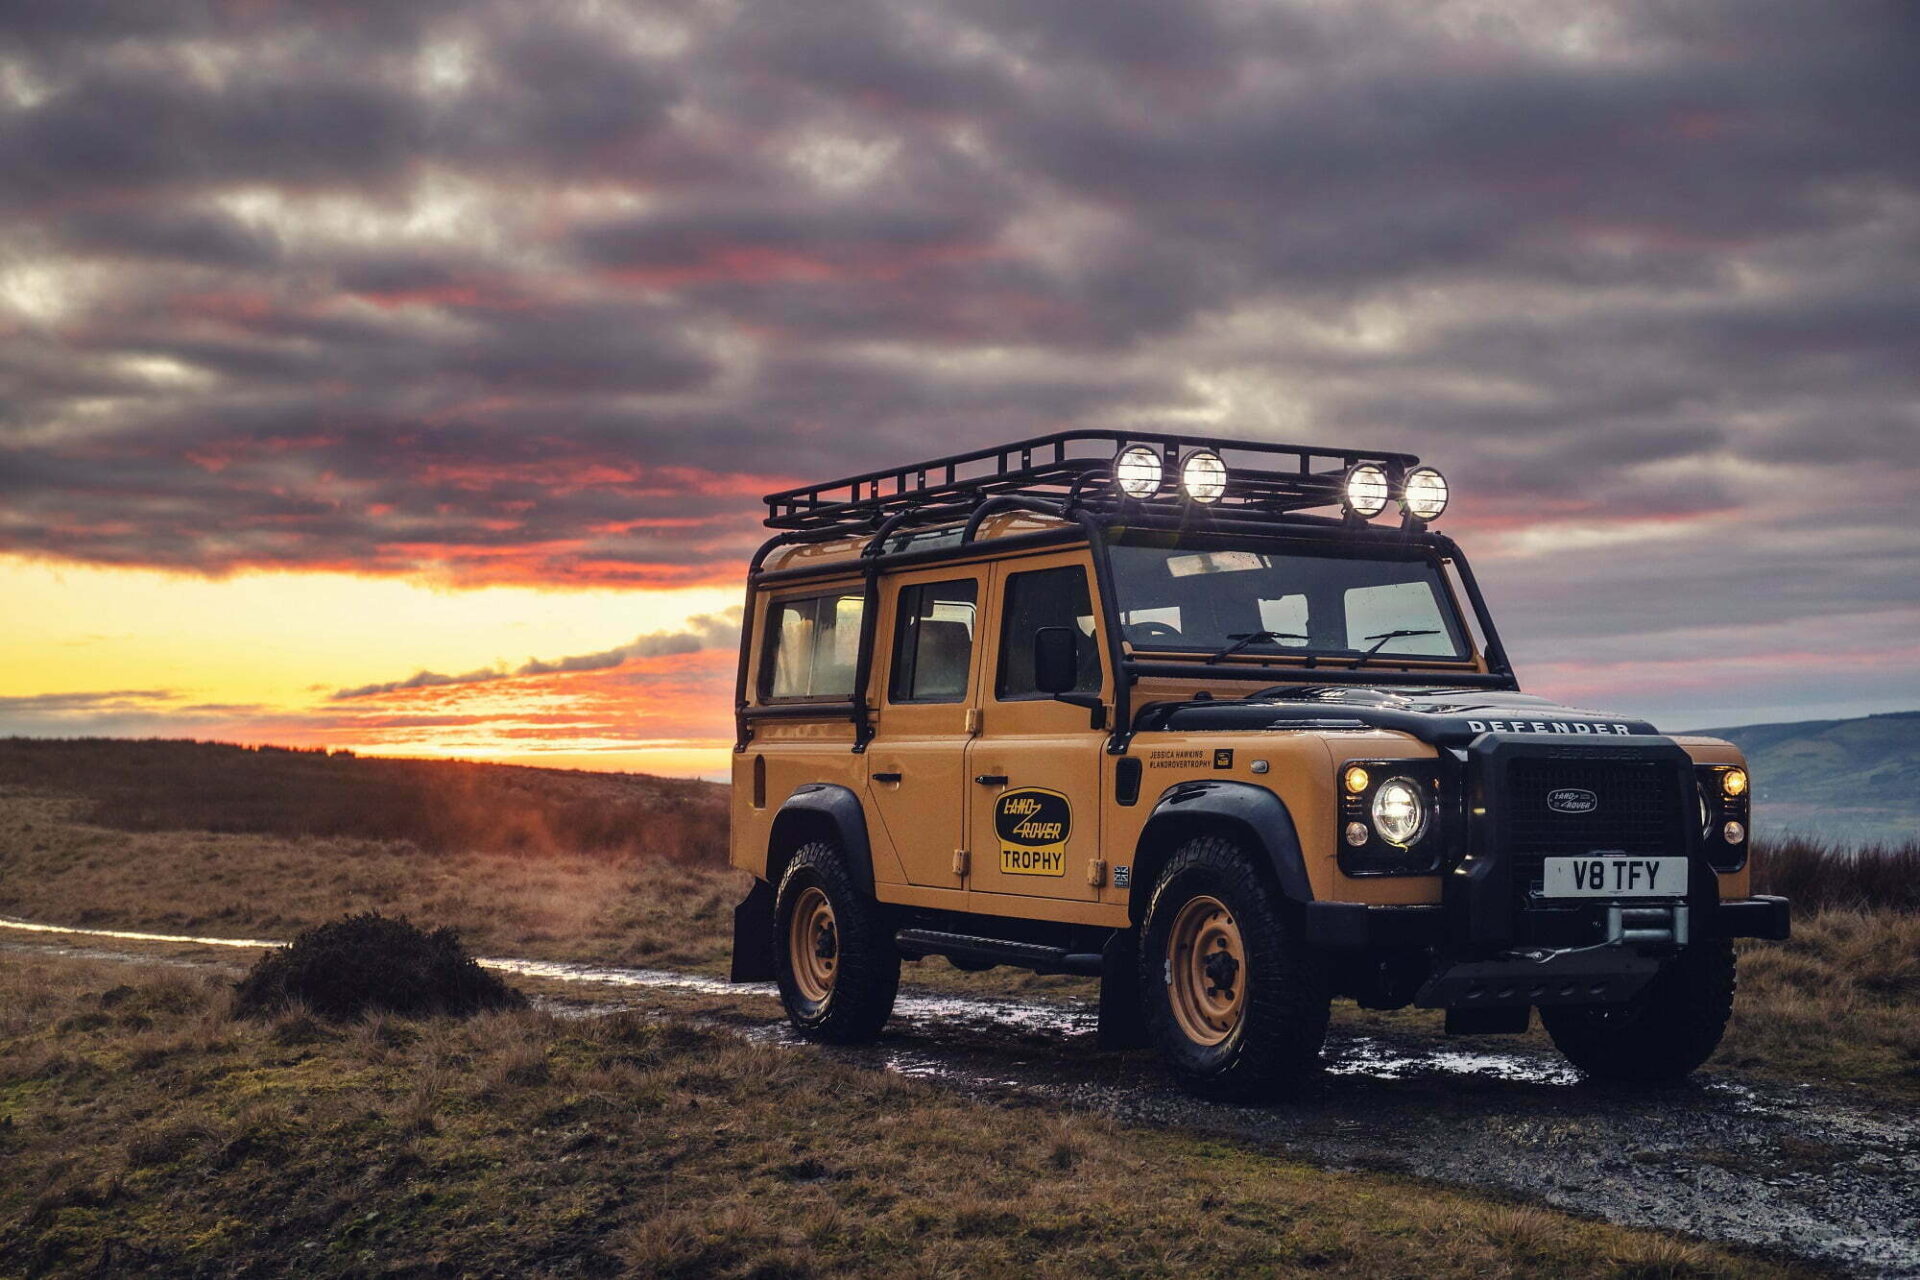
x,y
1364,1056
127,935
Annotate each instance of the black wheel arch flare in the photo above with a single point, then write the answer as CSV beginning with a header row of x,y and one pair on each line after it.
x,y
1253,814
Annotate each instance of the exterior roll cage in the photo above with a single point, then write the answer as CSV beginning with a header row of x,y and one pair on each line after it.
x,y
1081,522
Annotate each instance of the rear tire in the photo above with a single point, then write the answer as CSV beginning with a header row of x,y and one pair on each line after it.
x,y
1237,1005
1664,1033
833,955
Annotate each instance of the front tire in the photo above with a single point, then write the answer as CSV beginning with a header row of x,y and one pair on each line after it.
x,y
1237,1005
1664,1033
834,958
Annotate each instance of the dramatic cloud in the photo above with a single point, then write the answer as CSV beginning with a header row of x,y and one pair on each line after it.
x,y
702,632
498,292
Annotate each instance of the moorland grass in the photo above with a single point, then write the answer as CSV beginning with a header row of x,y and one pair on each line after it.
x,y
146,1131
1838,1003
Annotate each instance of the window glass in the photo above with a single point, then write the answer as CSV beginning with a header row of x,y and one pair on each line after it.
x,y
1343,603
933,641
1374,614
816,646
1045,598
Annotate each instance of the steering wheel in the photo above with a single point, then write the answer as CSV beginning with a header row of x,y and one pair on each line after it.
x,y
1145,632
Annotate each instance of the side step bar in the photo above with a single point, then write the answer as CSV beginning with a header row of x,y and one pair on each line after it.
x,y
1026,955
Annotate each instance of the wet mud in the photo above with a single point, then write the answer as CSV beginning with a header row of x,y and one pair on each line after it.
x,y
1803,1171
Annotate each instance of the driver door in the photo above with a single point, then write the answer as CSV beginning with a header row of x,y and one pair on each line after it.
x,y
1035,775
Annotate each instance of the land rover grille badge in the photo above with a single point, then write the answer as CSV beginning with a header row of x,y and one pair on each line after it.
x,y
1572,800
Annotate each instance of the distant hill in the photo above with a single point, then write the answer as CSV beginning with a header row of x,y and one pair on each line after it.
x,y
439,805
1847,780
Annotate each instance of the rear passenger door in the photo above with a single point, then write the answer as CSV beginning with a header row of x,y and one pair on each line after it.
x,y
1035,769
917,759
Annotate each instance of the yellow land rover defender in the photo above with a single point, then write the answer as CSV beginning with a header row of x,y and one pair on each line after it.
x,y
1127,705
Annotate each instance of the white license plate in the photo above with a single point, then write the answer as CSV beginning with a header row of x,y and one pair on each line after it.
x,y
1615,877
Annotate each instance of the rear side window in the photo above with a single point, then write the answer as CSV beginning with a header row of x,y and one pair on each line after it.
x,y
933,641
813,646
1045,598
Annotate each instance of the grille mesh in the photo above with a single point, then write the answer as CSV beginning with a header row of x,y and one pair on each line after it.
x,y
1638,809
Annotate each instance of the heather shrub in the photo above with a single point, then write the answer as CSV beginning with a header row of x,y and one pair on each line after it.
x,y
372,963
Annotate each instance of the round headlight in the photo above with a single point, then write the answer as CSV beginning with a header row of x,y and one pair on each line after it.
x,y
1139,472
1400,811
1425,493
1204,476
1367,490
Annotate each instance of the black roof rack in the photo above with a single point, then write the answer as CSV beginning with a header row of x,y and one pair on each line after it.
x,y
1078,465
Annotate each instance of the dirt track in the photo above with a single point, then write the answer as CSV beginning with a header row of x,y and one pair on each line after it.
x,y
1825,1177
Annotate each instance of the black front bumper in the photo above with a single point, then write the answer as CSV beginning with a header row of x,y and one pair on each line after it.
x,y
1355,926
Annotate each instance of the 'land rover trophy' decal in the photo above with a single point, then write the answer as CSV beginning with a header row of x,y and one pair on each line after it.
x,y
1572,800
1033,824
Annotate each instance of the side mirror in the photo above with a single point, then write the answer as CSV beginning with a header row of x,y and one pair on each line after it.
x,y
1056,660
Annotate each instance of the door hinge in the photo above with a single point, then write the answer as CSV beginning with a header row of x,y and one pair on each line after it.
x,y
960,863
973,721
1096,873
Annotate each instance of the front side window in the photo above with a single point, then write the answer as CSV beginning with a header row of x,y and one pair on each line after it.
x,y
1045,598
815,647
933,641
1344,604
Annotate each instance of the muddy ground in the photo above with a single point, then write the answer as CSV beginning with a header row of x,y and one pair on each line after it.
x,y
1817,1174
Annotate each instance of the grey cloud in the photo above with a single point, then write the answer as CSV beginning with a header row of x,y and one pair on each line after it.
x,y
549,290
702,632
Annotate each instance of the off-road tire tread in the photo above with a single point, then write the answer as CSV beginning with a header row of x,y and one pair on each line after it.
x,y
1288,994
1683,1014
868,976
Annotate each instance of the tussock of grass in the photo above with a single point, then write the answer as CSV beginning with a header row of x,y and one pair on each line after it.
x,y
519,1143
372,963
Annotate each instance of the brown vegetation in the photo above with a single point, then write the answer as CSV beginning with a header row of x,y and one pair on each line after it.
x,y
439,806
146,1132
1819,875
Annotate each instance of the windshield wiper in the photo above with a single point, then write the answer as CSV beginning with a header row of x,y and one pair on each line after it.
x,y
1385,636
1242,639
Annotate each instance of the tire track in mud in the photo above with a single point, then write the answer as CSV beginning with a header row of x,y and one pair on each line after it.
x,y
1799,1170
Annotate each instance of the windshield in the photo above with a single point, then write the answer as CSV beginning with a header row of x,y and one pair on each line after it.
x,y
1239,600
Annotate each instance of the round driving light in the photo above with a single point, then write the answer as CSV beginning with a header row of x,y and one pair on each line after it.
x,y
1367,490
1139,472
1734,832
1734,782
1204,476
1357,779
1400,811
1425,493
1356,834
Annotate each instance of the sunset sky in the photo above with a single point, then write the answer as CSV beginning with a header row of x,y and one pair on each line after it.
x,y
403,376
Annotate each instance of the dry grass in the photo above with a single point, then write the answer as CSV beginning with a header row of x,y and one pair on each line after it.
x,y
1818,875
614,908
144,1131
1840,1002
439,806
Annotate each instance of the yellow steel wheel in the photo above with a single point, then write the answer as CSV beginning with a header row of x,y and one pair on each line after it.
x,y
813,945
1206,971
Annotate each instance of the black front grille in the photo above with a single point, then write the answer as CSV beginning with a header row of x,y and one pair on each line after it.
x,y
1624,805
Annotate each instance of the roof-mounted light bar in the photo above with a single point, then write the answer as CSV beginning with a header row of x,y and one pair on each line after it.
x,y
1095,468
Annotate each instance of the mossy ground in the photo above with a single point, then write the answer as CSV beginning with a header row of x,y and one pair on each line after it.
x,y
145,1130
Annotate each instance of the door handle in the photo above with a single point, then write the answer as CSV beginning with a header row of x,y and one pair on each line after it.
x,y
991,779
886,777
